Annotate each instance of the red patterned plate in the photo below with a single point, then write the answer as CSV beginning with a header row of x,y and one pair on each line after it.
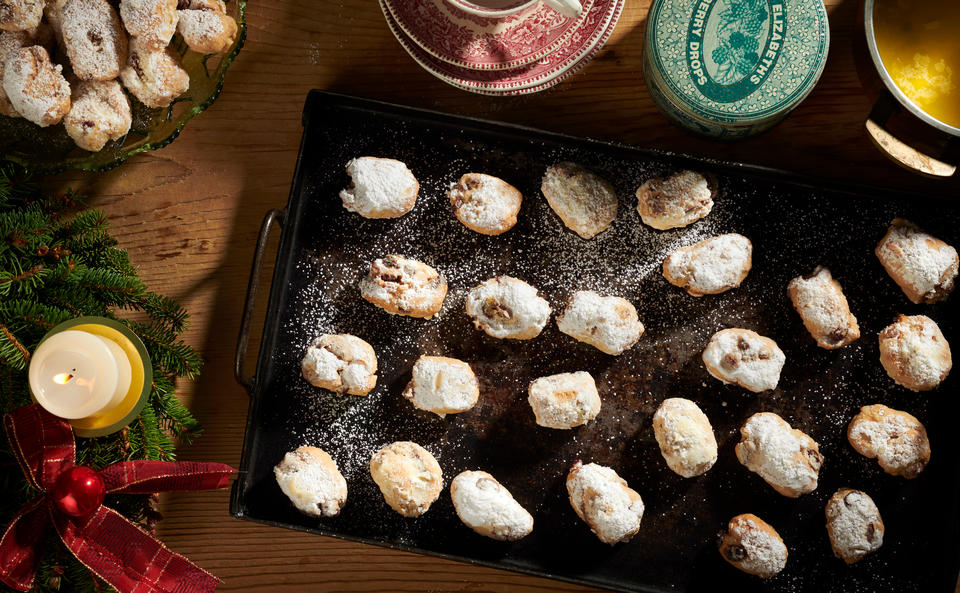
x,y
572,55
558,79
477,43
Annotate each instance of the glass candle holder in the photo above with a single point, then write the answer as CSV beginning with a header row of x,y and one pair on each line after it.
x,y
92,371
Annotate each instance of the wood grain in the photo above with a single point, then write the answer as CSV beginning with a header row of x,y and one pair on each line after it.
x,y
189,216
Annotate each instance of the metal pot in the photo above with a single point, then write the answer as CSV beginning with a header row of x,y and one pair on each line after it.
x,y
936,136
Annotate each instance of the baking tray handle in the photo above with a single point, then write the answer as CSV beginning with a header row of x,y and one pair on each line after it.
x,y
273,218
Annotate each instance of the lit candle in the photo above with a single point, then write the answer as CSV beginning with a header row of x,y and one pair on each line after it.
x,y
75,374
93,372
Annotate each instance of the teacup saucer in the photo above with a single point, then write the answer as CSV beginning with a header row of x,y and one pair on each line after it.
x,y
569,57
477,43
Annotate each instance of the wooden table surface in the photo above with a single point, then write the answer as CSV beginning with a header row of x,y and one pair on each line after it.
x,y
189,216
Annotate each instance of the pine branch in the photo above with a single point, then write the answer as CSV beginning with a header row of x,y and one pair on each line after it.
x,y
15,188
12,352
166,310
169,354
174,417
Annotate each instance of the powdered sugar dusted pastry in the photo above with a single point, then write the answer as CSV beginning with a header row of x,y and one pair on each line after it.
x,y
678,200
922,265
94,38
311,480
565,400
488,508
744,357
786,458
914,352
896,439
154,77
35,87
20,15
404,286
152,22
485,204
379,188
585,202
605,502
206,28
685,437
853,524
505,307
608,323
341,363
753,546
10,41
409,477
99,112
819,300
442,385
711,266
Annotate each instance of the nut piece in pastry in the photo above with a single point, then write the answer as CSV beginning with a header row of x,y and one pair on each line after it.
x,y
608,323
152,22
505,307
409,477
485,204
678,200
922,265
207,29
35,87
442,385
685,437
100,112
341,363
404,286
914,352
565,400
155,78
585,202
711,266
786,458
752,545
488,508
605,502
819,300
20,15
744,357
896,439
379,188
94,39
311,480
853,524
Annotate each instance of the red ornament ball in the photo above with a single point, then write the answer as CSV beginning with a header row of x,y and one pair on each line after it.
x,y
79,491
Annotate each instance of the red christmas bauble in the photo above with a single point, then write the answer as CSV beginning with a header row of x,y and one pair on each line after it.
x,y
79,491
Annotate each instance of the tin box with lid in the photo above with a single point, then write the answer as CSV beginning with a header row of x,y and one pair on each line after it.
x,y
733,68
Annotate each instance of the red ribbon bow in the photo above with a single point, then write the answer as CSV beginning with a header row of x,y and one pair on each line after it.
x,y
112,547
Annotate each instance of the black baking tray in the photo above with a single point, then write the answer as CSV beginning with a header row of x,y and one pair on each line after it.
x,y
795,224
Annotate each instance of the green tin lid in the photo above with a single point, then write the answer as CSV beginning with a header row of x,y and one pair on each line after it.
x,y
733,67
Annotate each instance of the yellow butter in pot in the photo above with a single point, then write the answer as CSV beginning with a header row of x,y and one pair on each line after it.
x,y
919,45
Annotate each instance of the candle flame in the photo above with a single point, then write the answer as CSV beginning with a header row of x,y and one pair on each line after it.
x,y
62,378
